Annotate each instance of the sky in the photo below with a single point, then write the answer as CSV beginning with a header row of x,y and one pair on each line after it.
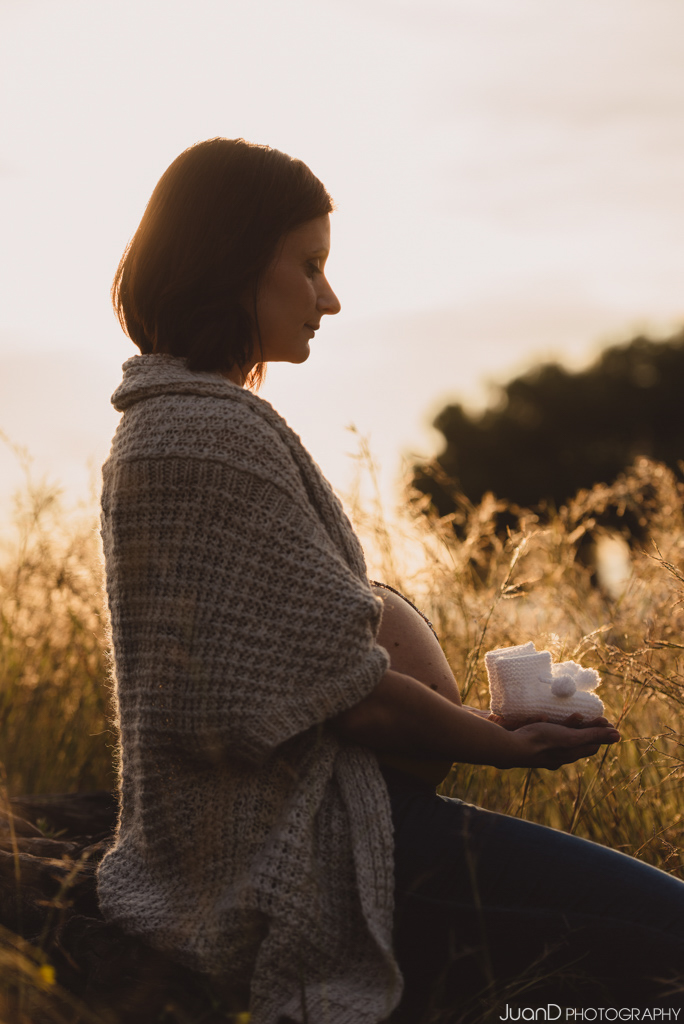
x,y
507,173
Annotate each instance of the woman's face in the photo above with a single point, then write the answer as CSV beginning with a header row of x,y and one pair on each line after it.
x,y
294,294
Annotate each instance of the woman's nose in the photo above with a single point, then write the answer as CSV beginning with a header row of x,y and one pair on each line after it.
x,y
328,301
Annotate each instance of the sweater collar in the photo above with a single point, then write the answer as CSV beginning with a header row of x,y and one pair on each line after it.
x,y
147,376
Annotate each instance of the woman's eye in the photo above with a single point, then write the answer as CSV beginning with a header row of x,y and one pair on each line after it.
x,y
313,267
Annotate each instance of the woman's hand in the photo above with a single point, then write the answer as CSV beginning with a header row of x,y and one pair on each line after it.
x,y
573,721
545,745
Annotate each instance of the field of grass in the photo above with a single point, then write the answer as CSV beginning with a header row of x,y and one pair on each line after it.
x,y
54,696
481,587
491,588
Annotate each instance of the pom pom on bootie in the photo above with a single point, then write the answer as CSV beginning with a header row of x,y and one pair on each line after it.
x,y
523,683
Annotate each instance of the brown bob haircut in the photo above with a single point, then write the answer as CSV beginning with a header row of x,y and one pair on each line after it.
x,y
211,228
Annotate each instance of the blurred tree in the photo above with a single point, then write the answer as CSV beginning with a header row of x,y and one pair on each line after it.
x,y
553,432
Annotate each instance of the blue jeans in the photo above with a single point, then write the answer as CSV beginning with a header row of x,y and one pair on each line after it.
x,y
493,910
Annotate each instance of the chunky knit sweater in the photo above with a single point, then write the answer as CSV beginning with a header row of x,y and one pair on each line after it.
x,y
252,844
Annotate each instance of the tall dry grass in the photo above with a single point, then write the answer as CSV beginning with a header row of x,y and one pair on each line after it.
x,y
485,588
481,588
54,731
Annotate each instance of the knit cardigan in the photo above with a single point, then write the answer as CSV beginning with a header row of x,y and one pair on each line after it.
x,y
252,844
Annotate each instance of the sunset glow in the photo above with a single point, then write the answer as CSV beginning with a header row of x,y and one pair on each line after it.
x,y
508,181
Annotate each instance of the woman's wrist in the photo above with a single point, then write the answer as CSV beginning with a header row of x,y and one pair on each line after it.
x,y
511,752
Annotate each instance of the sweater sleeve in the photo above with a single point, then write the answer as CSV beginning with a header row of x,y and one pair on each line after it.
x,y
236,621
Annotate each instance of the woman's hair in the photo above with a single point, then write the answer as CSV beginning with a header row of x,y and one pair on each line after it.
x,y
211,228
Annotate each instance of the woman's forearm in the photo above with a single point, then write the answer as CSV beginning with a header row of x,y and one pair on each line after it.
x,y
403,717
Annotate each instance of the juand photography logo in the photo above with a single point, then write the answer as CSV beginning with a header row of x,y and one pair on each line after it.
x,y
552,1011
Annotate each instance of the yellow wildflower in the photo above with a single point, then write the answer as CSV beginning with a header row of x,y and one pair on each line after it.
x,y
47,974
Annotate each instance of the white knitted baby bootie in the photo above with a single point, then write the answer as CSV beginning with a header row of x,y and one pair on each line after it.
x,y
523,683
492,659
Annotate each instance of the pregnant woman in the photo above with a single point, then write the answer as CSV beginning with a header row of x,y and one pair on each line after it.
x,y
283,722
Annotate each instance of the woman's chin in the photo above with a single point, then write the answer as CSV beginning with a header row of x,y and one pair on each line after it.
x,y
294,354
300,355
